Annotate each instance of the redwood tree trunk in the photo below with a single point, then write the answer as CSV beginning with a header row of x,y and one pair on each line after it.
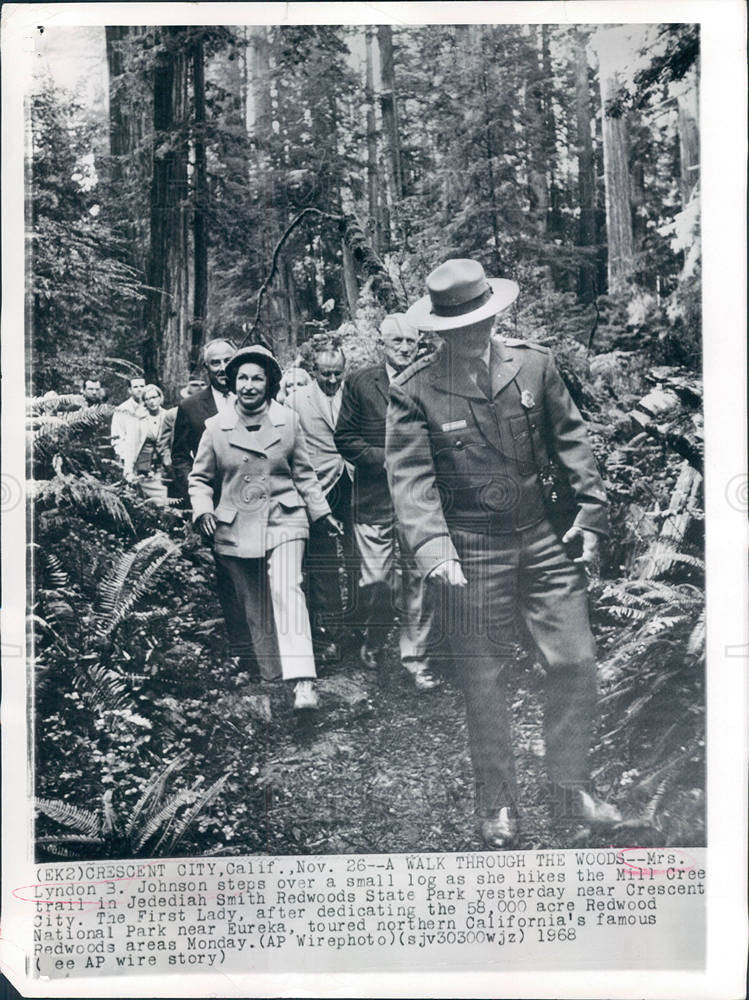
x,y
619,236
200,207
586,234
689,138
168,342
389,110
374,226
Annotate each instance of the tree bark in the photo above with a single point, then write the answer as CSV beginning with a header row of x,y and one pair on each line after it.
x,y
538,193
349,280
167,346
127,126
619,236
689,137
586,234
200,206
389,111
374,224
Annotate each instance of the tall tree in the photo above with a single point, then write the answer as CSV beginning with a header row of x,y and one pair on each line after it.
x,y
389,112
168,339
200,203
586,235
689,139
619,237
374,197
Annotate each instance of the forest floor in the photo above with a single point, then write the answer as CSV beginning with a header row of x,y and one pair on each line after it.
x,y
380,768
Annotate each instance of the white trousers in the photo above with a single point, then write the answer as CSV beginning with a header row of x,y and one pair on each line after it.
x,y
290,610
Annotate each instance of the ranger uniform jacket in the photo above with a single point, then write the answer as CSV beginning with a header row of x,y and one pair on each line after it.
x,y
456,459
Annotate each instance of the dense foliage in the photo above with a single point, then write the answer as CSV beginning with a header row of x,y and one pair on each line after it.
x,y
278,183
483,140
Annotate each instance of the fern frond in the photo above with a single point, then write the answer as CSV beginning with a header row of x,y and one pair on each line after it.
x,y
163,816
131,591
37,404
50,426
86,822
104,689
154,790
192,814
87,493
56,575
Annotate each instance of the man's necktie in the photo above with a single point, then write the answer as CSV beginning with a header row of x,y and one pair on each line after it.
x,y
482,376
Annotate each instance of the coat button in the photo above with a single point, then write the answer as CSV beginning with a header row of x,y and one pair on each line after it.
x,y
245,459
248,479
459,444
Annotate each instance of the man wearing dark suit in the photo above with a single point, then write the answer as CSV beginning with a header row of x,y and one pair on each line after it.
x,y
469,432
189,425
360,438
317,406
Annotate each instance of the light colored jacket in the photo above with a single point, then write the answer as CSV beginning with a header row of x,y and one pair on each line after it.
x,y
318,419
124,424
137,436
260,484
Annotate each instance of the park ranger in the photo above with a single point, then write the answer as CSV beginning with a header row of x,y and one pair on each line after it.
x,y
471,433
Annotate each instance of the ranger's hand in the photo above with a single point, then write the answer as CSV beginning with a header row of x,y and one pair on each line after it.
x,y
573,539
206,525
449,572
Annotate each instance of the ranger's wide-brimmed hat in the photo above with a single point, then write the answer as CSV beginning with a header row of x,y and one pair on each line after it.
x,y
259,356
460,294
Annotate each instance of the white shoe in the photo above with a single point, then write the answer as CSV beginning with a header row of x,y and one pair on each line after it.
x,y
305,696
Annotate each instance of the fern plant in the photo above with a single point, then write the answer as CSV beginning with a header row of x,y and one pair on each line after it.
x,y
132,576
82,493
154,827
653,697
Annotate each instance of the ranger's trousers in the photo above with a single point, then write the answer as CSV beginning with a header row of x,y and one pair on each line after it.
x,y
526,572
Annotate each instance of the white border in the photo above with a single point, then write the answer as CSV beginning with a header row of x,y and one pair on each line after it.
x,y
723,137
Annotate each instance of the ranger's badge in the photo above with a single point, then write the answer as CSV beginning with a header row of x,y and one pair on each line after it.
x,y
526,398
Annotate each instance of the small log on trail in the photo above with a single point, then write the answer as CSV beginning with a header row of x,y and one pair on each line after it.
x,y
669,413
664,550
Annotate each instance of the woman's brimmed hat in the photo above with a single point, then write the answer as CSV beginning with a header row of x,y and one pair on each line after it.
x,y
460,294
256,355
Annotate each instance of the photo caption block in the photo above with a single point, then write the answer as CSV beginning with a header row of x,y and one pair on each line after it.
x,y
633,908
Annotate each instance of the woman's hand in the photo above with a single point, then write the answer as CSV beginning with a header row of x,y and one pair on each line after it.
x,y
450,573
333,525
206,525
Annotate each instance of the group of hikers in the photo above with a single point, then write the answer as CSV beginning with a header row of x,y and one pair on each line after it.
x,y
422,491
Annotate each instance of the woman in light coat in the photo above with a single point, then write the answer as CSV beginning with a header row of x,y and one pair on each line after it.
x,y
253,492
147,446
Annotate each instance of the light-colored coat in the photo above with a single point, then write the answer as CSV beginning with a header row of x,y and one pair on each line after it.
x,y
124,423
264,481
318,424
137,434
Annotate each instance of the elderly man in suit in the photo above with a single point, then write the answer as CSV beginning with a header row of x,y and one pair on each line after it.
x,y
471,433
317,406
189,424
360,438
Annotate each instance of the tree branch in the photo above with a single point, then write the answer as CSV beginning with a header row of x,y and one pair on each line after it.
x,y
274,263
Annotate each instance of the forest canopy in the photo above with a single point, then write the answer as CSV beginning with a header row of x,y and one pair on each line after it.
x,y
266,183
